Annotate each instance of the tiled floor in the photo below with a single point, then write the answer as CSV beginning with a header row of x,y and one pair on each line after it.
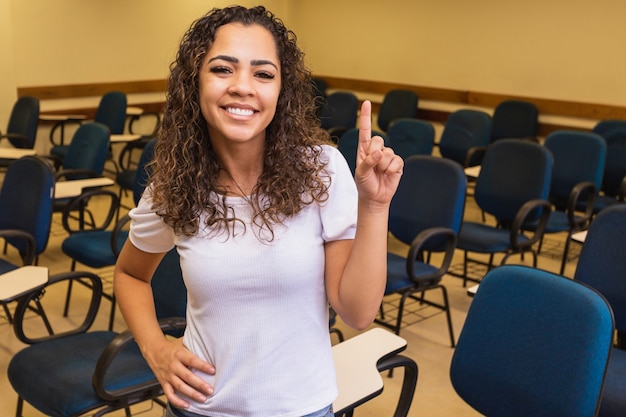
x,y
427,337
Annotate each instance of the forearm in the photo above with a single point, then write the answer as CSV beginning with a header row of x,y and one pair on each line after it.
x,y
362,283
133,292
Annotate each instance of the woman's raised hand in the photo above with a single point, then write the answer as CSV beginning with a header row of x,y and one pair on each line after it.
x,y
378,168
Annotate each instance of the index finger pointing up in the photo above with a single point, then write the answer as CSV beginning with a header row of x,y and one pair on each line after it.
x,y
365,128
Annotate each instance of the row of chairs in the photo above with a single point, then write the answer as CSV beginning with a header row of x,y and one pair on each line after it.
x,y
548,350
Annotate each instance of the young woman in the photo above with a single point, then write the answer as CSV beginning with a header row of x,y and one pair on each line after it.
x,y
269,223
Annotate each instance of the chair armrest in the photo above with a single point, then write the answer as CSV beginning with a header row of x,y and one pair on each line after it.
x,y
135,117
109,355
37,294
475,156
82,173
27,255
23,140
409,381
428,236
119,226
586,191
521,218
80,204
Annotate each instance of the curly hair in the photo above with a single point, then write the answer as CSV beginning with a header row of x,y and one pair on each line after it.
x,y
185,167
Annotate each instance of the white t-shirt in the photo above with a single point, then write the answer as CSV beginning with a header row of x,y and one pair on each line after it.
x,y
257,309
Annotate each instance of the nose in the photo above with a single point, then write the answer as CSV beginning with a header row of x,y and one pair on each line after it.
x,y
241,84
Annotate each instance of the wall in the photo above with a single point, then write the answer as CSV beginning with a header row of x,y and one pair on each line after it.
x,y
559,49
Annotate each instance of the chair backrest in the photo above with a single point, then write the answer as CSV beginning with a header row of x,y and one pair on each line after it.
x,y
464,129
111,111
512,172
340,110
411,137
348,145
397,104
602,262
24,120
614,133
143,170
515,119
533,344
26,199
168,287
431,193
88,149
578,157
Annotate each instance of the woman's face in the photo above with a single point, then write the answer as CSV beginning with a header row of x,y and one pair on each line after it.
x,y
239,84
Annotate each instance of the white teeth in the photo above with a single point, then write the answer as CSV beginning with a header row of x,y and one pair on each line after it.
x,y
239,112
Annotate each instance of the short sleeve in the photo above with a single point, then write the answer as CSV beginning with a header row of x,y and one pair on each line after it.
x,y
339,212
148,232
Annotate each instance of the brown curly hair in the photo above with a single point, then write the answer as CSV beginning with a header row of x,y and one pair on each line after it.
x,y
185,167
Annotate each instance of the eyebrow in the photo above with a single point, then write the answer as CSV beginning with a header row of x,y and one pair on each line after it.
x,y
254,62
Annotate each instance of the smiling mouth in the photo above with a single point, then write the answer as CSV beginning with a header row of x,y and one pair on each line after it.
x,y
240,112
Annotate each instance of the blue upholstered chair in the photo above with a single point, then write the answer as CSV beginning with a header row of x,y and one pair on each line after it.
x,y
577,174
98,245
465,136
602,265
135,179
339,113
515,119
397,104
425,213
411,137
348,145
613,188
533,344
21,130
513,187
111,112
78,371
25,211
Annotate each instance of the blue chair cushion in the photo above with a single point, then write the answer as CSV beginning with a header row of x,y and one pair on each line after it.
x,y
6,266
557,222
481,238
43,368
92,248
397,278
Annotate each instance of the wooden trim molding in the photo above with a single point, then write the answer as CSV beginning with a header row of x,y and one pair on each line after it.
x,y
553,107
57,92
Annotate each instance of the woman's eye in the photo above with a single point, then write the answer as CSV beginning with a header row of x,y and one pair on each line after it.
x,y
220,70
265,75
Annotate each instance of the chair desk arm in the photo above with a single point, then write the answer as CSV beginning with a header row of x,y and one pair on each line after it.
x,y
90,315
113,349
23,140
119,226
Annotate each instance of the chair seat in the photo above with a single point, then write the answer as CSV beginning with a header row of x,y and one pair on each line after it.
x,y
613,401
59,151
481,238
99,254
557,222
6,266
69,389
397,278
